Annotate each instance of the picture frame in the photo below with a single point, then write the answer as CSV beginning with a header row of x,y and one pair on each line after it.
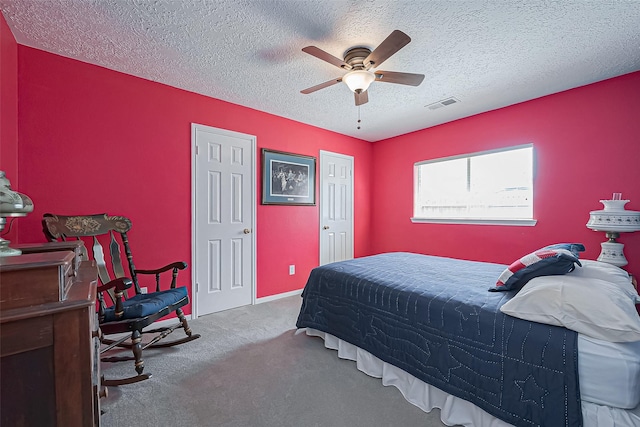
x,y
288,178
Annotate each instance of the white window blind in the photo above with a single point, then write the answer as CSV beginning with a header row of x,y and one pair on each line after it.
x,y
487,187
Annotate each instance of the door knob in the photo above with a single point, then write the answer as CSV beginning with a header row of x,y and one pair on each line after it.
x,y
326,227
246,231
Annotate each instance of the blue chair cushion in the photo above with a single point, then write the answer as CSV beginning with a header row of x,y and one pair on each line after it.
x,y
146,304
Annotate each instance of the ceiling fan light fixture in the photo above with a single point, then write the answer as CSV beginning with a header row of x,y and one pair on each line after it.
x,y
359,80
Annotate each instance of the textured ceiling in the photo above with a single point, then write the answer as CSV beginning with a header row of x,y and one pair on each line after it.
x,y
487,54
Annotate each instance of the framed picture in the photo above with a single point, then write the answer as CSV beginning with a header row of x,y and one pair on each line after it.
x,y
288,179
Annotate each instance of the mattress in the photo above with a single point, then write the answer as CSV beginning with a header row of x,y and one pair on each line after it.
x,y
609,373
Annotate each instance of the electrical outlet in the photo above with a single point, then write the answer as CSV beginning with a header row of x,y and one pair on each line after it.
x,y
292,270
143,290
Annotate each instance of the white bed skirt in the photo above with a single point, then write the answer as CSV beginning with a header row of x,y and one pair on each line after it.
x,y
454,410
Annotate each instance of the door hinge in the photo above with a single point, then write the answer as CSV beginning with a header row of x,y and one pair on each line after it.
x,y
197,287
196,150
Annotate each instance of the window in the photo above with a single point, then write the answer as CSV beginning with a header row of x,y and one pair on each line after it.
x,y
491,187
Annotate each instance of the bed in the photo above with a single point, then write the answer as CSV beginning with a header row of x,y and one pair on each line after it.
x,y
429,326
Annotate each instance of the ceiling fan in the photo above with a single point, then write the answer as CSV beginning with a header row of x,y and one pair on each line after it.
x,y
359,61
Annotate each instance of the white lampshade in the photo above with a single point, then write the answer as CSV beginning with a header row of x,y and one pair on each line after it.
x,y
614,218
359,80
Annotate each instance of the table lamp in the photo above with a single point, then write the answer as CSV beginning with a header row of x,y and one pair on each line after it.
x,y
613,220
12,204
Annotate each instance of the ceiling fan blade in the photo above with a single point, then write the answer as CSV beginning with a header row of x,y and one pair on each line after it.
x,y
321,86
321,54
362,98
399,78
393,43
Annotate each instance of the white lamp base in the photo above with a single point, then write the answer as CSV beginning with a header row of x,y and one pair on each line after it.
x,y
612,254
5,250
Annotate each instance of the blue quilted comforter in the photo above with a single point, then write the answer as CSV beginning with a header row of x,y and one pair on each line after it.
x,y
434,318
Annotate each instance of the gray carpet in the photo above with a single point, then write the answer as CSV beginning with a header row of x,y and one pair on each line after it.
x,y
251,368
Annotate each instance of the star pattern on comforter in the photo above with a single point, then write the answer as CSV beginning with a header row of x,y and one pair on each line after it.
x,y
530,391
441,359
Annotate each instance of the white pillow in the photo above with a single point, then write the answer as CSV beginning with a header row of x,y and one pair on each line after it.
x,y
602,270
594,307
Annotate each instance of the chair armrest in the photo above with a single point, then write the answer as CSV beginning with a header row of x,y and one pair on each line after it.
x,y
116,289
180,265
120,284
175,266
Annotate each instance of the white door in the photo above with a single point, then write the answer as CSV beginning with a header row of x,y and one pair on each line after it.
x,y
336,207
223,219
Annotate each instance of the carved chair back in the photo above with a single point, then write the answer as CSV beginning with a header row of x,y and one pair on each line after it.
x,y
96,230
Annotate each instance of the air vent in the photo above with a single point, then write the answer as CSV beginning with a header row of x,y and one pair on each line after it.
x,y
443,103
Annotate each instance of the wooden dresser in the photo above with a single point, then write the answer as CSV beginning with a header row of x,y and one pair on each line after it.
x,y
49,346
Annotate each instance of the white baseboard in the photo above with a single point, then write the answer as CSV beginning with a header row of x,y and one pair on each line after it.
x,y
278,296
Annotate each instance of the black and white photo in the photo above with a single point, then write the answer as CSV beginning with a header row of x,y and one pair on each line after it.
x,y
287,178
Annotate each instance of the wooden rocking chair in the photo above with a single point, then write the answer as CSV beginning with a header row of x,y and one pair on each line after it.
x,y
124,314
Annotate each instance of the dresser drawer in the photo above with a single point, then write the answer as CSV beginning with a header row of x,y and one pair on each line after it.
x,y
51,275
26,335
75,246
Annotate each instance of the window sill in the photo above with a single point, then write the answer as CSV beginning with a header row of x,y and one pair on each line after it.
x,y
477,221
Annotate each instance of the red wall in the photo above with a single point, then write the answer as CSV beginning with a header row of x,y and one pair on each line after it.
x,y
9,112
94,140
587,146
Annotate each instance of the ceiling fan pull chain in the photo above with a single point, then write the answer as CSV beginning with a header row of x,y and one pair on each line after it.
x,y
359,117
